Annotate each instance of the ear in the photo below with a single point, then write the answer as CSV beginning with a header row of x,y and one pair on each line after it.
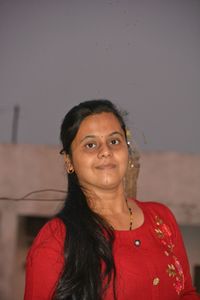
x,y
68,164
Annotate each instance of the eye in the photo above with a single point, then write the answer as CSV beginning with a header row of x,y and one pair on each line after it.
x,y
90,145
115,141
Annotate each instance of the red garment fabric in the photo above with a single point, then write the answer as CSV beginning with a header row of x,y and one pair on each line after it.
x,y
151,261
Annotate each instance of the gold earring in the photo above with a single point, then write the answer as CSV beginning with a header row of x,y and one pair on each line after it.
x,y
70,171
131,164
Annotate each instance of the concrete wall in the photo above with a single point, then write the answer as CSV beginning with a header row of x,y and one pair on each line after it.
x,y
172,178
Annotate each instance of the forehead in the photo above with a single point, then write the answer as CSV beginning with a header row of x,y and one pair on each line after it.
x,y
103,122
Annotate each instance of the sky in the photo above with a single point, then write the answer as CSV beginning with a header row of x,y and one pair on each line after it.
x,y
144,55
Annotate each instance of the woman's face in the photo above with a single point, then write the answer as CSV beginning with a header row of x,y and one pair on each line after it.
x,y
100,152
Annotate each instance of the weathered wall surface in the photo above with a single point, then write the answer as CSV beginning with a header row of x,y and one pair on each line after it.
x,y
173,179
170,178
25,168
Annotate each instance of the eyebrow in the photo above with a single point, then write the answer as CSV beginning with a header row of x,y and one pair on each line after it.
x,y
110,135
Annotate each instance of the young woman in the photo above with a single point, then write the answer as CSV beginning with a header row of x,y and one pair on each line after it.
x,y
101,245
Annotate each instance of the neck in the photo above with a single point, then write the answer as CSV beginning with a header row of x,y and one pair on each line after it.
x,y
107,202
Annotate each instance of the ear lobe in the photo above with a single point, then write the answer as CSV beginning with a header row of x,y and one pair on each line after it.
x,y
68,164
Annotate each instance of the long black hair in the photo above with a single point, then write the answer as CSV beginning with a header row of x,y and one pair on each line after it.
x,y
89,265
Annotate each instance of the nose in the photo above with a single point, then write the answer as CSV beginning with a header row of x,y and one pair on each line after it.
x,y
104,151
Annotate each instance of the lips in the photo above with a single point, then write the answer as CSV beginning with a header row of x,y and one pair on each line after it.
x,y
106,167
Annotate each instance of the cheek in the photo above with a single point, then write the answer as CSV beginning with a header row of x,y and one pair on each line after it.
x,y
125,161
81,163
125,164
123,156
122,159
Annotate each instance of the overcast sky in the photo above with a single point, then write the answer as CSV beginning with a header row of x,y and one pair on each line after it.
x,y
144,55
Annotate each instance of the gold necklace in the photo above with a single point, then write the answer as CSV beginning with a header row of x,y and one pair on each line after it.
x,y
131,216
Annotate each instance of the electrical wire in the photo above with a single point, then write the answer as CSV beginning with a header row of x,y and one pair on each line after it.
x,y
25,197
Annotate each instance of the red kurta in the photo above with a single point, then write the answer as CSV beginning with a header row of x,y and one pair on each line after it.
x,y
151,262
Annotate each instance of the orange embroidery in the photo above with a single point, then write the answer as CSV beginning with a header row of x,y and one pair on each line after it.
x,y
174,270
159,233
158,221
171,270
179,285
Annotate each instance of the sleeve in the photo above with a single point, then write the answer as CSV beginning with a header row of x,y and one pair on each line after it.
x,y
45,262
189,292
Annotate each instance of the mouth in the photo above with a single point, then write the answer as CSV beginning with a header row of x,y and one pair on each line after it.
x,y
106,167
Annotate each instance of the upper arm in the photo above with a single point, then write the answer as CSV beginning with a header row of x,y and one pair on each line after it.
x,y
188,292
44,265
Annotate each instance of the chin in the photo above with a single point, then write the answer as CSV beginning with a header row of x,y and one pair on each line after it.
x,y
110,184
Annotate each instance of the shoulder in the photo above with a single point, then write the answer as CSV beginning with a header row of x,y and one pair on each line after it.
x,y
159,213
155,207
49,239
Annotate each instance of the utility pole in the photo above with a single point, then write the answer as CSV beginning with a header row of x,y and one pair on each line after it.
x,y
15,124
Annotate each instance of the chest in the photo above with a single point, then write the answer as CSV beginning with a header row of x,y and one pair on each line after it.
x,y
146,266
